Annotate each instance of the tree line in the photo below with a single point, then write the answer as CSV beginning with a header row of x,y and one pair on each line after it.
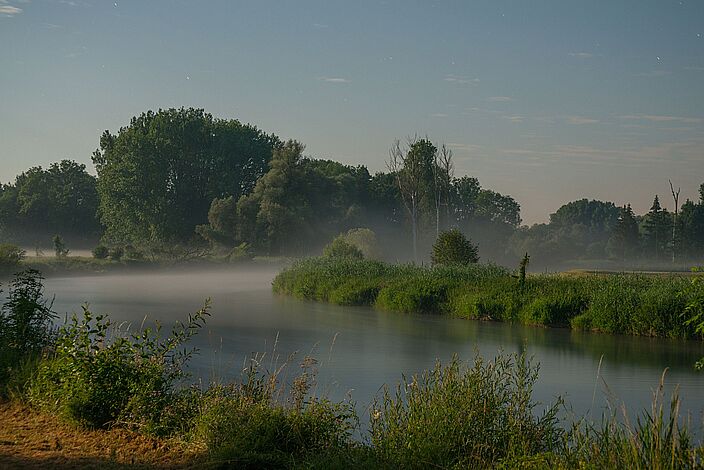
x,y
183,177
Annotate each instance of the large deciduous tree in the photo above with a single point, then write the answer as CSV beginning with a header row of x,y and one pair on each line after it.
x,y
159,175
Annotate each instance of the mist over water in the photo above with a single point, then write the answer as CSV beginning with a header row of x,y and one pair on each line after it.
x,y
360,349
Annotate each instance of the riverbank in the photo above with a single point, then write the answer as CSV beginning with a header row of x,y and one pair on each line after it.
x,y
30,439
634,304
51,266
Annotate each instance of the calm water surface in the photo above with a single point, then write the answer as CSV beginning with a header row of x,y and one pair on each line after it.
x,y
360,349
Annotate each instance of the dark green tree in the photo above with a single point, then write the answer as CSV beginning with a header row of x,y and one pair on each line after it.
x,y
657,228
159,175
625,239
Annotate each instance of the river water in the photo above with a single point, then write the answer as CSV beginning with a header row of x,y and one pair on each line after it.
x,y
360,349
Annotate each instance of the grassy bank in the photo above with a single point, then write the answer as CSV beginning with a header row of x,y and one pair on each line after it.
x,y
649,305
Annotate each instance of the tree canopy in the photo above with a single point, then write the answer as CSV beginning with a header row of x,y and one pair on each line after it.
x,y
158,176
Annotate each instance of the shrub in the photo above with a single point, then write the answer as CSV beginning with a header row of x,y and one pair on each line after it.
x,y
25,326
10,256
452,247
100,252
339,248
365,240
99,376
458,417
133,253
60,247
116,253
257,423
241,252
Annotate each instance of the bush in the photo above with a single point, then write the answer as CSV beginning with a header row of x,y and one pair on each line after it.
x,y
100,252
365,240
116,253
133,253
452,248
10,256
458,417
258,424
99,376
339,248
60,247
25,327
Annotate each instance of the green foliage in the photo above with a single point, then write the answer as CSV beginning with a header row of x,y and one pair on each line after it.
x,y
631,304
116,253
101,252
452,247
258,423
60,247
99,375
10,256
25,329
340,248
454,416
158,176
241,252
62,198
364,239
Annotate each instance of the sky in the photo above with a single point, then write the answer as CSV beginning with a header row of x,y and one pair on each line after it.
x,y
547,101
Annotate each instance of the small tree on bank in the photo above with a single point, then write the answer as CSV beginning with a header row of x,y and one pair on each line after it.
x,y
60,247
453,248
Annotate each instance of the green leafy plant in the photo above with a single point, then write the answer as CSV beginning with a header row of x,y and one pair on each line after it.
x,y
25,326
99,375
452,247
116,253
60,247
10,256
339,248
100,252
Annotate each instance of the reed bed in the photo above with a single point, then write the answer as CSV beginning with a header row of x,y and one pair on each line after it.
x,y
634,304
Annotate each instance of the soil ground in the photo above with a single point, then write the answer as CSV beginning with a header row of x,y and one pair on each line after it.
x,y
34,440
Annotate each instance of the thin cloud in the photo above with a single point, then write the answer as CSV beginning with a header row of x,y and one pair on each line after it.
x,y
460,80
581,55
9,10
438,115
460,147
514,118
661,118
579,120
499,99
334,80
697,69
655,73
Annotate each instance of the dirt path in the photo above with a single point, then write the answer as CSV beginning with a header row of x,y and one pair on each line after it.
x,y
32,440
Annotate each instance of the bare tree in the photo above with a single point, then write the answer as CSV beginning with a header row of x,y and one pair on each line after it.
x,y
676,199
447,168
409,177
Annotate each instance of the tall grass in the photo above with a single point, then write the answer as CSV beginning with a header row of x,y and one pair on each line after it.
x,y
620,303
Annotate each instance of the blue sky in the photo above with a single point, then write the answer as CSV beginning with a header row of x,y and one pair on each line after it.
x,y
548,101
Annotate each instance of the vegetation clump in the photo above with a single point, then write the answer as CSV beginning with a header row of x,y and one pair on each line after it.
x,y
643,305
452,247
340,248
100,252
10,256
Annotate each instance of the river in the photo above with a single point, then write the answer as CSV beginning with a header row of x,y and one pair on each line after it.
x,y
360,349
